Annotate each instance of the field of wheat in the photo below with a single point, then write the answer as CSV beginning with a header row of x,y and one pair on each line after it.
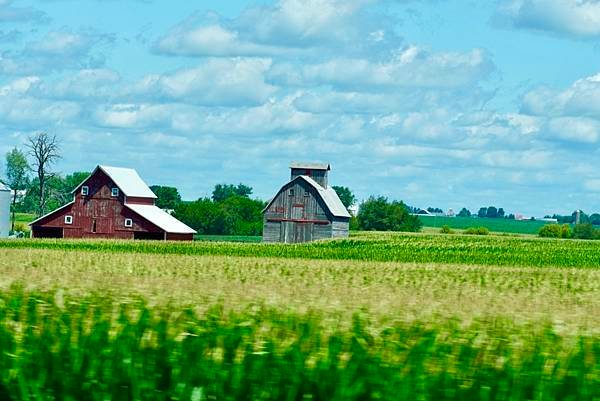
x,y
153,321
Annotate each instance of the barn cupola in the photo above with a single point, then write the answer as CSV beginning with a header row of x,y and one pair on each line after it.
x,y
316,171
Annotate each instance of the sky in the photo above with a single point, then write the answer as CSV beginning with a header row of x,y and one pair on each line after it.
x,y
442,103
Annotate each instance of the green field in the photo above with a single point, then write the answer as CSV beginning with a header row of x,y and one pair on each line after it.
x,y
376,317
495,225
228,238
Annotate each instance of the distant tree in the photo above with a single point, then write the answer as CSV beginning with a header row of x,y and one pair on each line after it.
x,y
236,215
346,196
501,213
168,197
434,210
584,231
555,231
482,212
62,193
595,219
491,212
44,149
511,216
17,177
464,212
377,214
224,191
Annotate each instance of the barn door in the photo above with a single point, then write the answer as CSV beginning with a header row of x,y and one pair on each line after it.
x,y
303,232
287,232
103,225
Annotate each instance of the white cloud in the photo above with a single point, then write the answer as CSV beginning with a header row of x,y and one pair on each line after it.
x,y
405,70
216,82
580,18
575,129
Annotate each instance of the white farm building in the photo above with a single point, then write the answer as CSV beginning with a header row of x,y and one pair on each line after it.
x,y
5,197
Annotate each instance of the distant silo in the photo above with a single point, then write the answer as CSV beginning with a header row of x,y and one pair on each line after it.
x,y
5,195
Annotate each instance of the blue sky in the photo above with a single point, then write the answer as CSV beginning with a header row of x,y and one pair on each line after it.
x,y
437,102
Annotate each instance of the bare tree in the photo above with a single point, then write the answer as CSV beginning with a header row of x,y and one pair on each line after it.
x,y
44,149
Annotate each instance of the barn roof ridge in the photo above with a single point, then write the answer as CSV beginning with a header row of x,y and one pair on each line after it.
x,y
310,165
328,195
127,179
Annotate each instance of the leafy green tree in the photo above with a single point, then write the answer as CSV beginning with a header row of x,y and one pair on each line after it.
x,y
168,197
501,213
377,214
491,212
224,191
555,231
464,212
595,219
17,177
345,195
482,212
585,231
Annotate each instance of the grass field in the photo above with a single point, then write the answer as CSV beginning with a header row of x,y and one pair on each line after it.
x,y
228,238
347,320
495,225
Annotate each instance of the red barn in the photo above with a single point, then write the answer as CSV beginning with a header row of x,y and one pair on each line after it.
x,y
114,203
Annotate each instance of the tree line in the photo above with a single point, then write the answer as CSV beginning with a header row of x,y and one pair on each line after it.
x,y
38,189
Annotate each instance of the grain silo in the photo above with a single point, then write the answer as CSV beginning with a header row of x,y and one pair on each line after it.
x,y
5,195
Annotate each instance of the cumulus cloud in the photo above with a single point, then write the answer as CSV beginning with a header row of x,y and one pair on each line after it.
x,y
288,27
411,67
578,18
582,98
55,51
215,82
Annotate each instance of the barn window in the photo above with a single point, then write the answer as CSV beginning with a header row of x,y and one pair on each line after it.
x,y
306,193
68,219
291,192
85,190
94,225
128,223
115,192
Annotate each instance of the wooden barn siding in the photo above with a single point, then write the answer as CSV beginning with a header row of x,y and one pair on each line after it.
x,y
320,176
180,237
139,201
109,212
271,231
340,228
311,206
283,223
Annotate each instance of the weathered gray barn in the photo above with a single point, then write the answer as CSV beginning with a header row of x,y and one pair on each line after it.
x,y
306,208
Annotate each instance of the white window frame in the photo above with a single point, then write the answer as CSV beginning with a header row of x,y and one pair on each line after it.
x,y
85,190
114,192
69,219
128,223
306,193
291,192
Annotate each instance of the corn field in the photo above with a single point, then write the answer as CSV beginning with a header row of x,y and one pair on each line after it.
x,y
152,321
418,248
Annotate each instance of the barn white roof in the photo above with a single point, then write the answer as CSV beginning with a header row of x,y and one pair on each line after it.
x,y
4,187
330,197
129,181
161,219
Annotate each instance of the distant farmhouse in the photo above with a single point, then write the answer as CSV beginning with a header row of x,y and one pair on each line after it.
x,y
115,203
306,208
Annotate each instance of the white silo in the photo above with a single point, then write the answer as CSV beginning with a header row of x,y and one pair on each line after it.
x,y
5,195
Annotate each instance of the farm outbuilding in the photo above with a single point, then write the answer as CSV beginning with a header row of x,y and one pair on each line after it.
x,y
306,208
5,198
112,202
